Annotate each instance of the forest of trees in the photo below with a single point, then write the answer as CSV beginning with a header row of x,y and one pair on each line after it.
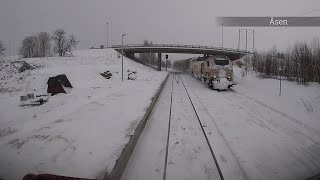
x,y
39,45
300,63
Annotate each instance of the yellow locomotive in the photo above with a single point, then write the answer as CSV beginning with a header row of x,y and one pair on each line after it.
x,y
216,71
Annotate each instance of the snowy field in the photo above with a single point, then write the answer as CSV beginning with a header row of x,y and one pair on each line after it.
x,y
81,133
254,132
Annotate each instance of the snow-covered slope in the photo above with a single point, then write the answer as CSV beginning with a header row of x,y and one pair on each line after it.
x,y
80,133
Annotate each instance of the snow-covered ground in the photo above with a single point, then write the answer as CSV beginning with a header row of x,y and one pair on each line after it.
x,y
81,133
300,102
254,132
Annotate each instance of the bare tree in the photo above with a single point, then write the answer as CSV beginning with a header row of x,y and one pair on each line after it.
x,y
149,58
44,44
71,43
300,63
60,40
2,48
35,45
62,43
29,47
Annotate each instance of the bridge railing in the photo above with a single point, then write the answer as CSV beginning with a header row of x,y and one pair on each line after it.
x,y
178,46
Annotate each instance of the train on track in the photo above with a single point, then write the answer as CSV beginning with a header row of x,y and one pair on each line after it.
x,y
215,71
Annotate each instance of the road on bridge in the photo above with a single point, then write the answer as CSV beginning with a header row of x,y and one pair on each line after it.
x,y
197,133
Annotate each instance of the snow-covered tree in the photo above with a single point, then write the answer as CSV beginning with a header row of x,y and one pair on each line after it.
x,y
300,63
44,44
62,43
29,47
35,45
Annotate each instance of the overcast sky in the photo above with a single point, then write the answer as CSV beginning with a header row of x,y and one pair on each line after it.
x,y
161,21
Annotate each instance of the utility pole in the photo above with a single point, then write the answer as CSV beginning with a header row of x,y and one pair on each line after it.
x,y
122,56
246,39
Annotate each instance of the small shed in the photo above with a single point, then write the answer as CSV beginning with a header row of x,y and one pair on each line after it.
x,y
56,84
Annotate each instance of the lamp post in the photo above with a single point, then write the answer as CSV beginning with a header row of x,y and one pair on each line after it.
x,y
246,30
107,45
222,36
122,56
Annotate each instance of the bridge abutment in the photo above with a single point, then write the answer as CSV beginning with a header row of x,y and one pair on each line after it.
x,y
159,61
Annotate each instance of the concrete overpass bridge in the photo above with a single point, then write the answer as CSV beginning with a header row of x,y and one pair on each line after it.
x,y
130,49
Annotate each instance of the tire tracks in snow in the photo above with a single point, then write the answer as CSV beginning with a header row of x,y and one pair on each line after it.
x,y
267,118
279,112
279,123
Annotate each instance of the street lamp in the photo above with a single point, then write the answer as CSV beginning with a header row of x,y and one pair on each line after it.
x,y
246,30
122,55
107,36
222,36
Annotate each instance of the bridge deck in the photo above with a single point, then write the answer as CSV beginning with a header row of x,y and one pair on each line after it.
x,y
233,54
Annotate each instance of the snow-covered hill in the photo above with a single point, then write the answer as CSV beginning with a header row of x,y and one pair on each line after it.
x,y
80,133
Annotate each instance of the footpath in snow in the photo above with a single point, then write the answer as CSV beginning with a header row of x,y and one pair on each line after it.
x,y
81,133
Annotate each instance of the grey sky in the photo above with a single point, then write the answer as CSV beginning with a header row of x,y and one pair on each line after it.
x,y
162,21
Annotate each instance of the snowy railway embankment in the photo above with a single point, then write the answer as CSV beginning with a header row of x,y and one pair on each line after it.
x,y
82,133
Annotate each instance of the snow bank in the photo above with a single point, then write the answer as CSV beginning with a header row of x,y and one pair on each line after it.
x,y
81,133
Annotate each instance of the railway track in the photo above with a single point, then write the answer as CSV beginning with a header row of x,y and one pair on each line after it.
x,y
193,137
178,84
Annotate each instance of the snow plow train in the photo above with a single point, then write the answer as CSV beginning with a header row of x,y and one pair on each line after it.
x,y
215,71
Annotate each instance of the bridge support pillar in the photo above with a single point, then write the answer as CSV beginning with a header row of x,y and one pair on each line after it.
x,y
159,59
